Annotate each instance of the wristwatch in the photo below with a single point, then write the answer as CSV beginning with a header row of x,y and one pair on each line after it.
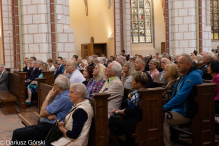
x,y
117,111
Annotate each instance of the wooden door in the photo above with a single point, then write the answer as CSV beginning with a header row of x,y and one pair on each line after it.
x,y
163,47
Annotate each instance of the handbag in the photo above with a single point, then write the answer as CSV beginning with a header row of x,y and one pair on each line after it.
x,y
54,133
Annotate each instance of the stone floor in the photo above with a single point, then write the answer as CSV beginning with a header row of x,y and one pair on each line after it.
x,y
10,122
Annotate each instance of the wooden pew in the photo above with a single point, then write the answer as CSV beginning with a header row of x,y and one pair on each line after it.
x,y
207,81
156,84
50,77
150,130
99,128
198,65
15,98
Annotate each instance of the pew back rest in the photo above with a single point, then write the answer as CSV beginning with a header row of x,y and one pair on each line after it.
x,y
198,65
203,123
50,77
207,81
43,91
17,88
150,130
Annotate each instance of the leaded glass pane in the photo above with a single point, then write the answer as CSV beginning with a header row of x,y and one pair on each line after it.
x,y
215,36
140,21
215,24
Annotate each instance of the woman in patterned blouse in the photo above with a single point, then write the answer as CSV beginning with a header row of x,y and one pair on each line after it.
x,y
171,74
95,84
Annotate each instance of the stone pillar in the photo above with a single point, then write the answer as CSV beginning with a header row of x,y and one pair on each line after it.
x,y
186,33
7,33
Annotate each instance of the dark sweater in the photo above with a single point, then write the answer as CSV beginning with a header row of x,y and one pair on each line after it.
x,y
79,118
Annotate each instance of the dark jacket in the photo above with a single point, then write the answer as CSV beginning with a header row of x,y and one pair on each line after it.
x,y
183,99
205,76
4,81
59,70
34,74
150,81
92,65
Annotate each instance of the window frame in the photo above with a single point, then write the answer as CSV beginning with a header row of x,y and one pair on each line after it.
x,y
212,25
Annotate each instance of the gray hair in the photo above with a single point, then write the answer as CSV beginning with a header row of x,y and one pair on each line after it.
x,y
91,58
34,61
73,63
121,59
2,65
116,67
165,55
80,88
188,58
168,61
100,59
143,60
210,55
63,82
104,59
199,56
40,62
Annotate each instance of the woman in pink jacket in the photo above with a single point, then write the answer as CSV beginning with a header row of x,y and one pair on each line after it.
x,y
213,70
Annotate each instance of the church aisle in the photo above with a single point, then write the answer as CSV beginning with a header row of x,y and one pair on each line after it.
x,y
7,125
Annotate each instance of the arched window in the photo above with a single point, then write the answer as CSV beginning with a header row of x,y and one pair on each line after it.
x,y
214,19
141,21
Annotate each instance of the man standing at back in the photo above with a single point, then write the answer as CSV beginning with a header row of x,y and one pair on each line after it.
x,y
182,106
4,75
161,76
140,66
60,69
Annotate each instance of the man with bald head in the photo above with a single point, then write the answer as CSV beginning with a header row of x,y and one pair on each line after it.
x,y
140,64
75,74
161,76
182,106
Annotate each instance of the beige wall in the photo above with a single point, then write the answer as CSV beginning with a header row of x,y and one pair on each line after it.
x,y
98,24
214,45
159,24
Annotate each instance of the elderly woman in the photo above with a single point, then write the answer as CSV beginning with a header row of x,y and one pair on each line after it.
x,y
154,66
77,123
51,65
131,115
88,74
171,74
64,62
199,59
96,83
83,64
213,70
127,73
32,88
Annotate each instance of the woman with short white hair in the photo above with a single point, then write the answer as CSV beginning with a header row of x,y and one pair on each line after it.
x,y
199,59
78,122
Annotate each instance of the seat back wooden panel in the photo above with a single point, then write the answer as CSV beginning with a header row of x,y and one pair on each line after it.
x,y
203,123
17,88
149,131
50,77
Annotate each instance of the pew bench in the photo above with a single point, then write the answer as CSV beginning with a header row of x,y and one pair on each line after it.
x,y
29,118
9,101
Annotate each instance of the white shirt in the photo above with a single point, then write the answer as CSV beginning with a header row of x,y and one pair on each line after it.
x,y
162,74
76,77
52,68
2,73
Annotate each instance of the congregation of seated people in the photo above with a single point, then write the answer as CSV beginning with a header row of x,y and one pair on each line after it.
x,y
78,79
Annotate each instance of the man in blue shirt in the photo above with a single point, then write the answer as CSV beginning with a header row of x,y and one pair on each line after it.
x,y
60,106
182,106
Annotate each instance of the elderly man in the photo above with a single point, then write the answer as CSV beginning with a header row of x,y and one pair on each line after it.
x,y
140,64
182,106
165,55
121,60
113,86
75,74
203,53
161,76
90,61
60,106
4,75
208,56
60,69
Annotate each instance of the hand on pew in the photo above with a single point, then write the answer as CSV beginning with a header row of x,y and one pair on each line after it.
x,y
28,80
113,111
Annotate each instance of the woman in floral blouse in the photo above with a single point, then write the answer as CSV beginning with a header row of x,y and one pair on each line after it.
x,y
171,74
95,84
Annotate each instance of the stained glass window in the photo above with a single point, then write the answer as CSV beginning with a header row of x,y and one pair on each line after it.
x,y
214,19
141,21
